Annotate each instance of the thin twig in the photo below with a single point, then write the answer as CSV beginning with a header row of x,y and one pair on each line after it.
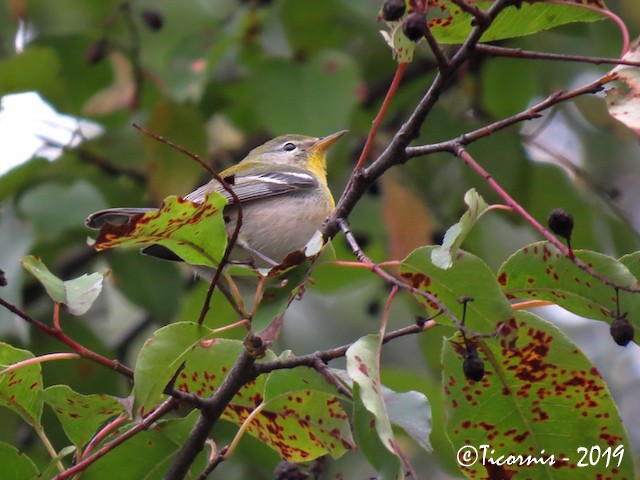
x,y
530,113
496,51
165,407
466,157
62,337
236,201
359,253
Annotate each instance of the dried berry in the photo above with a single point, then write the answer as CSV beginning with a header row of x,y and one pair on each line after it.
x,y
561,223
97,51
473,366
414,26
153,19
3,279
621,331
393,10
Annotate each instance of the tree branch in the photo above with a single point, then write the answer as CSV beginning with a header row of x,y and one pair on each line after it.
x,y
243,371
394,154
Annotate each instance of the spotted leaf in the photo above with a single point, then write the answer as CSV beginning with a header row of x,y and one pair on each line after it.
x,y
81,415
468,277
296,412
539,397
449,24
161,356
20,389
193,231
540,272
370,411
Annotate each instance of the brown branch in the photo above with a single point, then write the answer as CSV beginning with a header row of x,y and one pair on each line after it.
x,y
325,356
495,51
236,201
168,405
242,372
528,114
59,335
394,154
466,157
390,279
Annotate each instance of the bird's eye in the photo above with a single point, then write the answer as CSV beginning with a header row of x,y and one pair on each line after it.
x,y
288,147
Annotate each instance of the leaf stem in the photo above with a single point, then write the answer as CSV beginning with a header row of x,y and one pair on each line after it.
x,y
40,359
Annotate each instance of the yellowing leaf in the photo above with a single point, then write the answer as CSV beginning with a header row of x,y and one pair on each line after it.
x,y
623,101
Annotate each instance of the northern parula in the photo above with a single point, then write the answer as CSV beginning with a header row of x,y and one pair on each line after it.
x,y
282,186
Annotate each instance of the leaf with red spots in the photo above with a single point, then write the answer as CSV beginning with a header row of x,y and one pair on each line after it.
x,y
539,396
451,25
402,48
442,256
81,415
370,411
468,277
623,101
193,231
387,464
295,412
540,272
300,425
20,389
77,294
161,356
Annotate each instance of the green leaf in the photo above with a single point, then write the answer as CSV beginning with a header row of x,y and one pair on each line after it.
x,y
541,272
442,256
468,277
81,415
386,463
411,411
16,465
43,66
171,171
159,360
72,204
20,389
301,422
540,396
363,366
301,425
301,417
146,456
315,97
193,231
453,25
77,294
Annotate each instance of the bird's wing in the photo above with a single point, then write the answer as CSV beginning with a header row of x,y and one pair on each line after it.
x,y
258,185
114,216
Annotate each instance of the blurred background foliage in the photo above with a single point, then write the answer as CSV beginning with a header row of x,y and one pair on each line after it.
x,y
221,76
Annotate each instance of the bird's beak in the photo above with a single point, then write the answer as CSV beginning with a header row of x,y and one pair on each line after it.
x,y
323,144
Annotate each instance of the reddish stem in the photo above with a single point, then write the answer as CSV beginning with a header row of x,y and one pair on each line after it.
x,y
465,156
165,407
59,335
380,116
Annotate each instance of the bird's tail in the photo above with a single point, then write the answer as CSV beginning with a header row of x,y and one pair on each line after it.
x,y
114,216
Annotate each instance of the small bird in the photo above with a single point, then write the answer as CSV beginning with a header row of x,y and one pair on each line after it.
x,y
282,186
